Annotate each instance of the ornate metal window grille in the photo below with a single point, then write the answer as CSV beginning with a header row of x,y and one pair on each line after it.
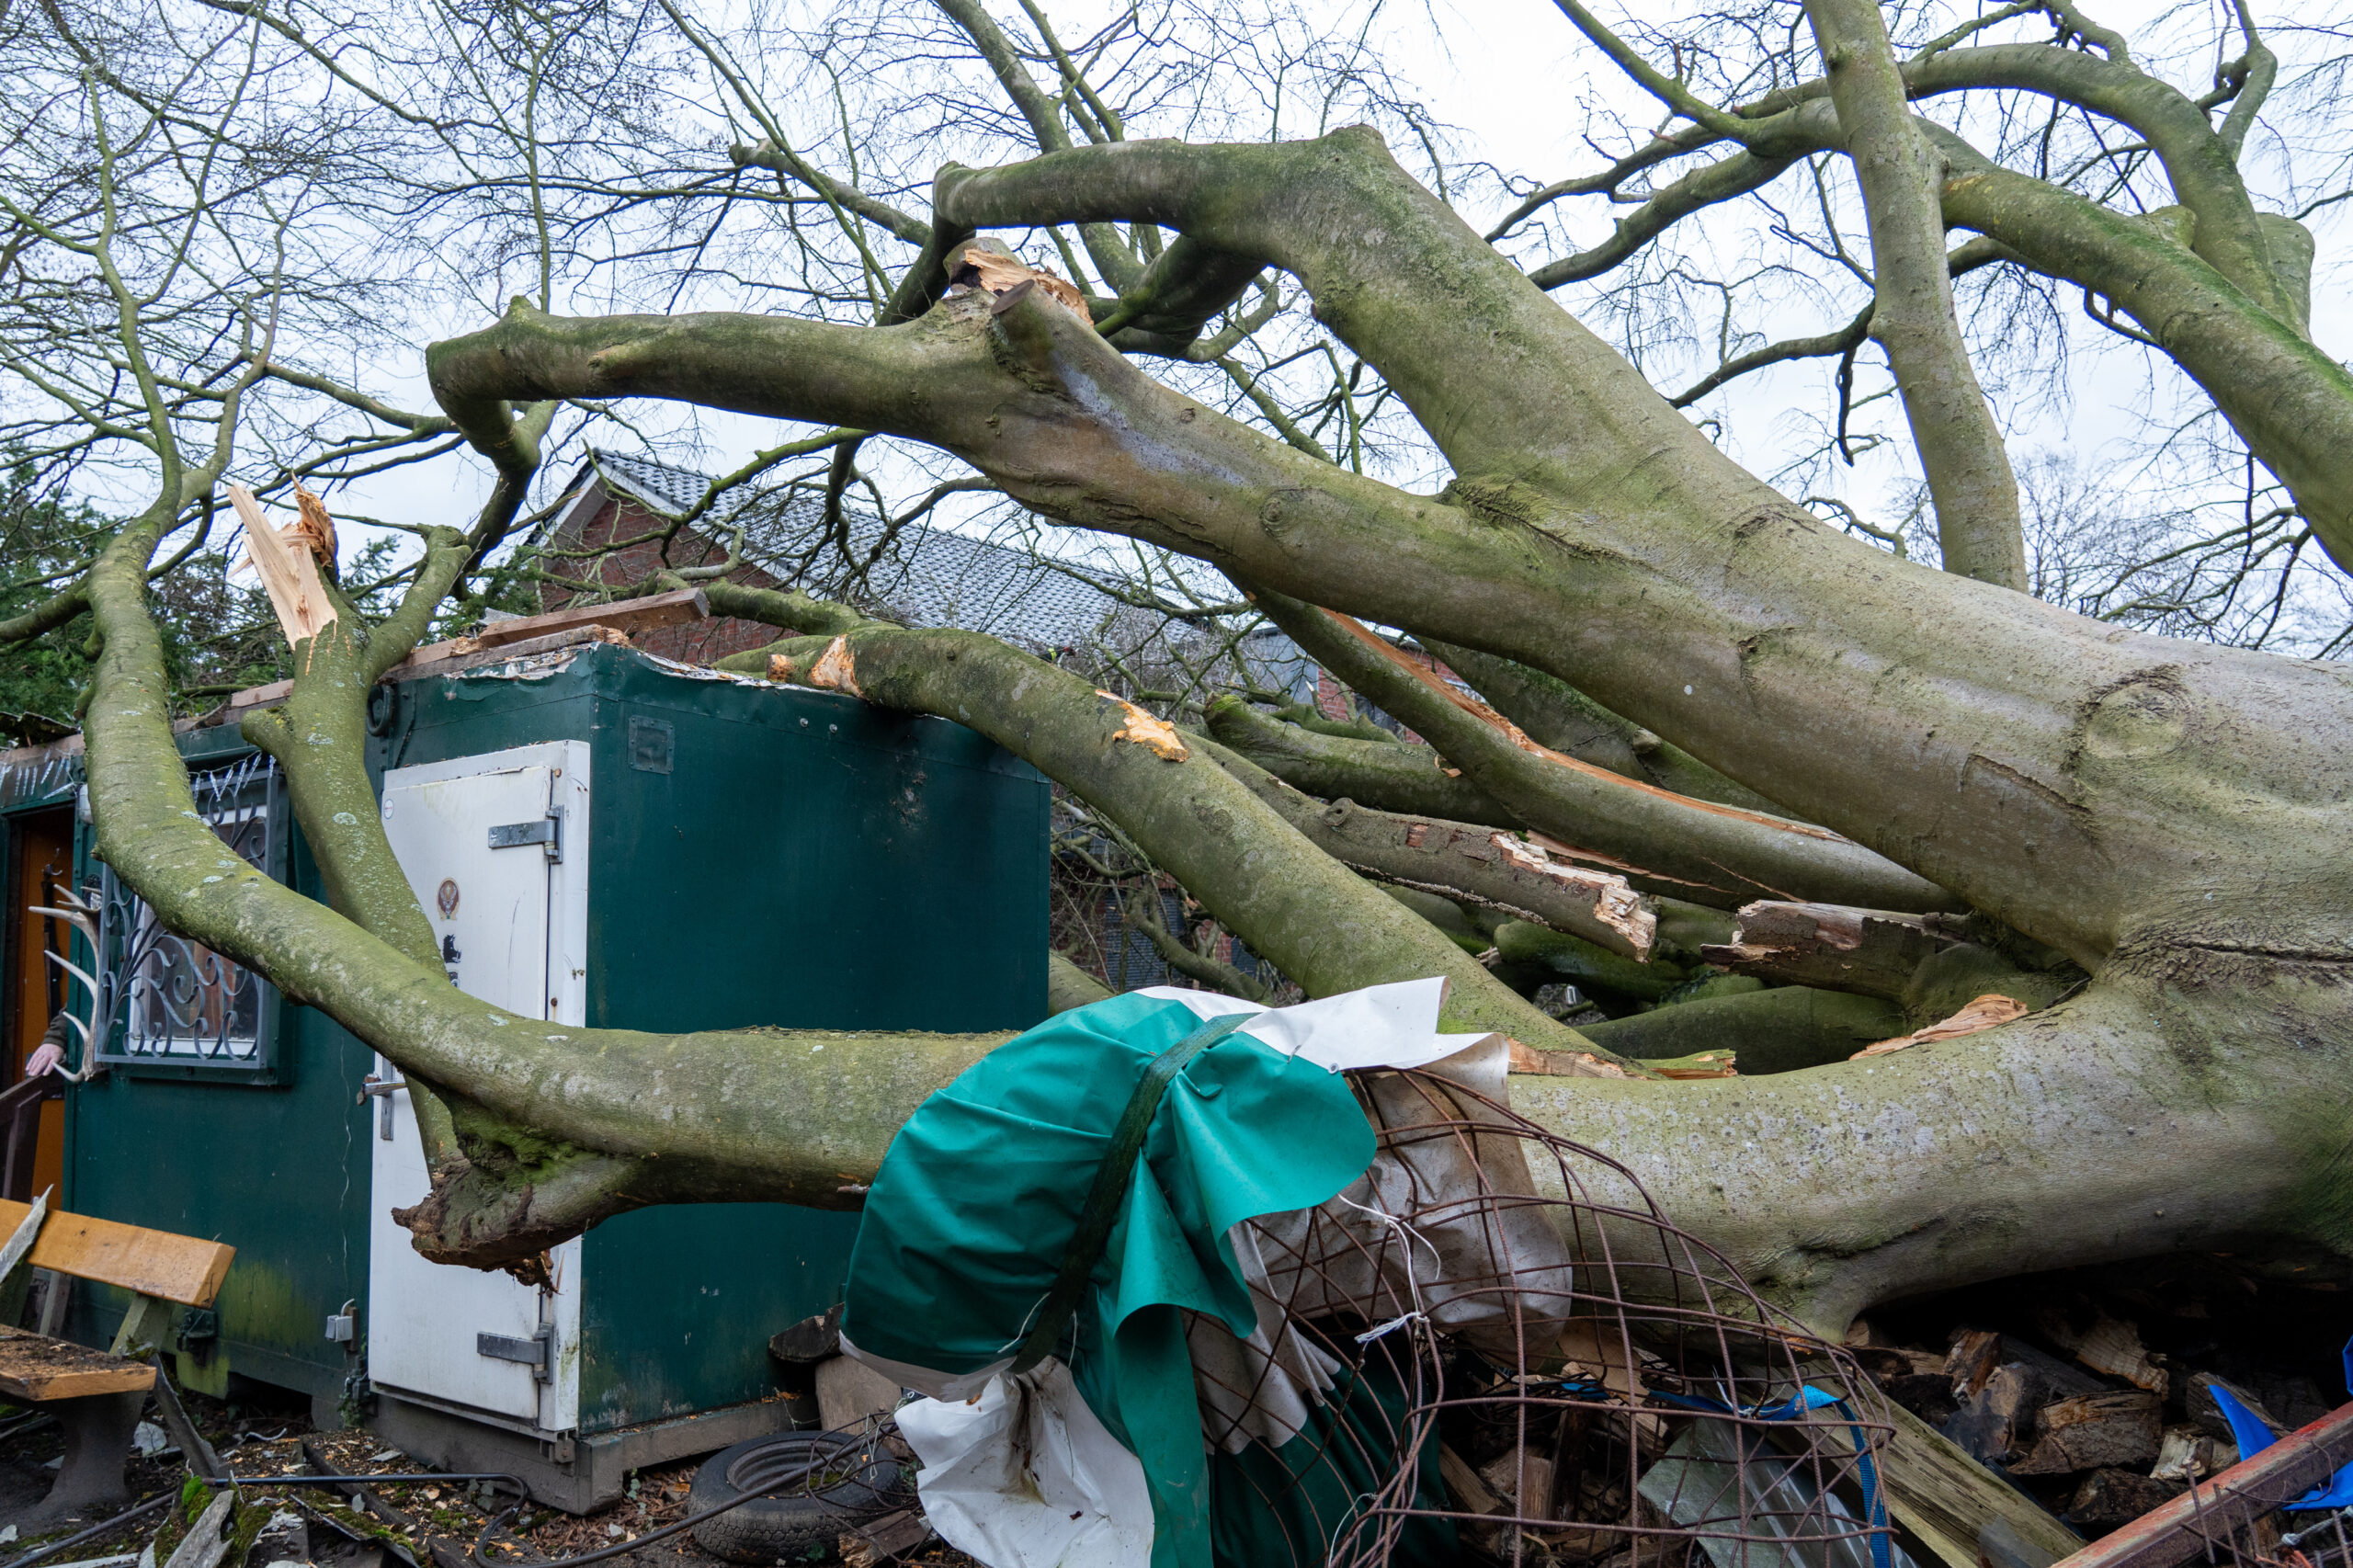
x,y
169,1001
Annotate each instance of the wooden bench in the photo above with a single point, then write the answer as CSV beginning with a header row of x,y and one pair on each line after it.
x,y
98,1394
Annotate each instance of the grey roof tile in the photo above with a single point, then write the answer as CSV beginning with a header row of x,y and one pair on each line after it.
x,y
927,578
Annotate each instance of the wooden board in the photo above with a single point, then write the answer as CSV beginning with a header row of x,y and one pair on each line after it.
x,y
151,1263
629,615
1944,1498
33,1366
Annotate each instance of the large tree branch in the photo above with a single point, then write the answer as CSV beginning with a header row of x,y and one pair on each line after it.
x,y
1557,715
1734,852
1389,777
47,616
1944,724
2201,163
775,1115
1960,445
2289,400
1460,861
1261,878
1734,174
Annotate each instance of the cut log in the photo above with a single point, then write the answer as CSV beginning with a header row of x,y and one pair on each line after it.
x,y
2241,1497
1945,1499
1975,1354
1992,1422
2197,1401
2093,1431
2109,1345
2111,1497
2185,1454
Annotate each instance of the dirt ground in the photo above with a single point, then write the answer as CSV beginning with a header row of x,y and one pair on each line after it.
x,y
445,1522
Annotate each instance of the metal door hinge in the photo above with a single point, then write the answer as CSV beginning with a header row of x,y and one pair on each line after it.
x,y
536,1352
548,833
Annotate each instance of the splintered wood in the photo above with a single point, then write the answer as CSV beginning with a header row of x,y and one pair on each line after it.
x,y
986,264
1156,736
1984,1013
286,561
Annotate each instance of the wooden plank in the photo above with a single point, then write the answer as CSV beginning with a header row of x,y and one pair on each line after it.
x,y
1944,1498
434,659
35,1368
629,615
454,658
2238,1497
148,1263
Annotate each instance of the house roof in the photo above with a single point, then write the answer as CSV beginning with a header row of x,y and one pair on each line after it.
x,y
928,576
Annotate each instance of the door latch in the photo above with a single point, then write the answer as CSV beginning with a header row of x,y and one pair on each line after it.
x,y
371,1086
547,833
536,1352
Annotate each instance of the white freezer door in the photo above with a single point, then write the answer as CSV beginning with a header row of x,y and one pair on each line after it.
x,y
512,923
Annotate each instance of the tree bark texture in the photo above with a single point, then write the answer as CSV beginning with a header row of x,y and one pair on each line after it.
x,y
1961,447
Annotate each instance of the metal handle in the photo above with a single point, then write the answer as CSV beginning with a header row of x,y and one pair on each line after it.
x,y
387,1087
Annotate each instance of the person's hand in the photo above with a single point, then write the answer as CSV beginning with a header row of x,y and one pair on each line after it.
x,y
44,1059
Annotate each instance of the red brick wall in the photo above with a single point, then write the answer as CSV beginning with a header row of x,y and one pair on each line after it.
x,y
621,517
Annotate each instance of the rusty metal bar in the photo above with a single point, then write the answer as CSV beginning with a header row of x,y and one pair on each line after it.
x,y
2210,1511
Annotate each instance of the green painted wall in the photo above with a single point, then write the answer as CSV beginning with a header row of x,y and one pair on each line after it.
x,y
278,1171
807,860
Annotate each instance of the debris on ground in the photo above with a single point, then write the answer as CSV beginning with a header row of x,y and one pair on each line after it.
x,y
429,1523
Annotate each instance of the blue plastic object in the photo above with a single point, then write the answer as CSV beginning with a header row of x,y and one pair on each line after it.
x,y
2253,1437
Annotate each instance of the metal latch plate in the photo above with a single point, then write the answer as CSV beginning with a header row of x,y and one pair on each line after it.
x,y
536,1352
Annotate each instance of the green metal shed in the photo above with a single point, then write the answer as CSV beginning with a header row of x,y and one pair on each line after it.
x,y
608,839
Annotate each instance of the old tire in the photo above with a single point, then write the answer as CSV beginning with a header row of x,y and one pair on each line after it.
x,y
785,1524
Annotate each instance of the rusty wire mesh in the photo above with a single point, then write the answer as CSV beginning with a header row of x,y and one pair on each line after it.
x,y
1554,1369
2230,1522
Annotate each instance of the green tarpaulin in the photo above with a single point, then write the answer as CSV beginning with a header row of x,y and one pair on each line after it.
x,y
970,1214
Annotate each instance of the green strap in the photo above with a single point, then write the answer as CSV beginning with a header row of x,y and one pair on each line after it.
x,y
1110,1189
